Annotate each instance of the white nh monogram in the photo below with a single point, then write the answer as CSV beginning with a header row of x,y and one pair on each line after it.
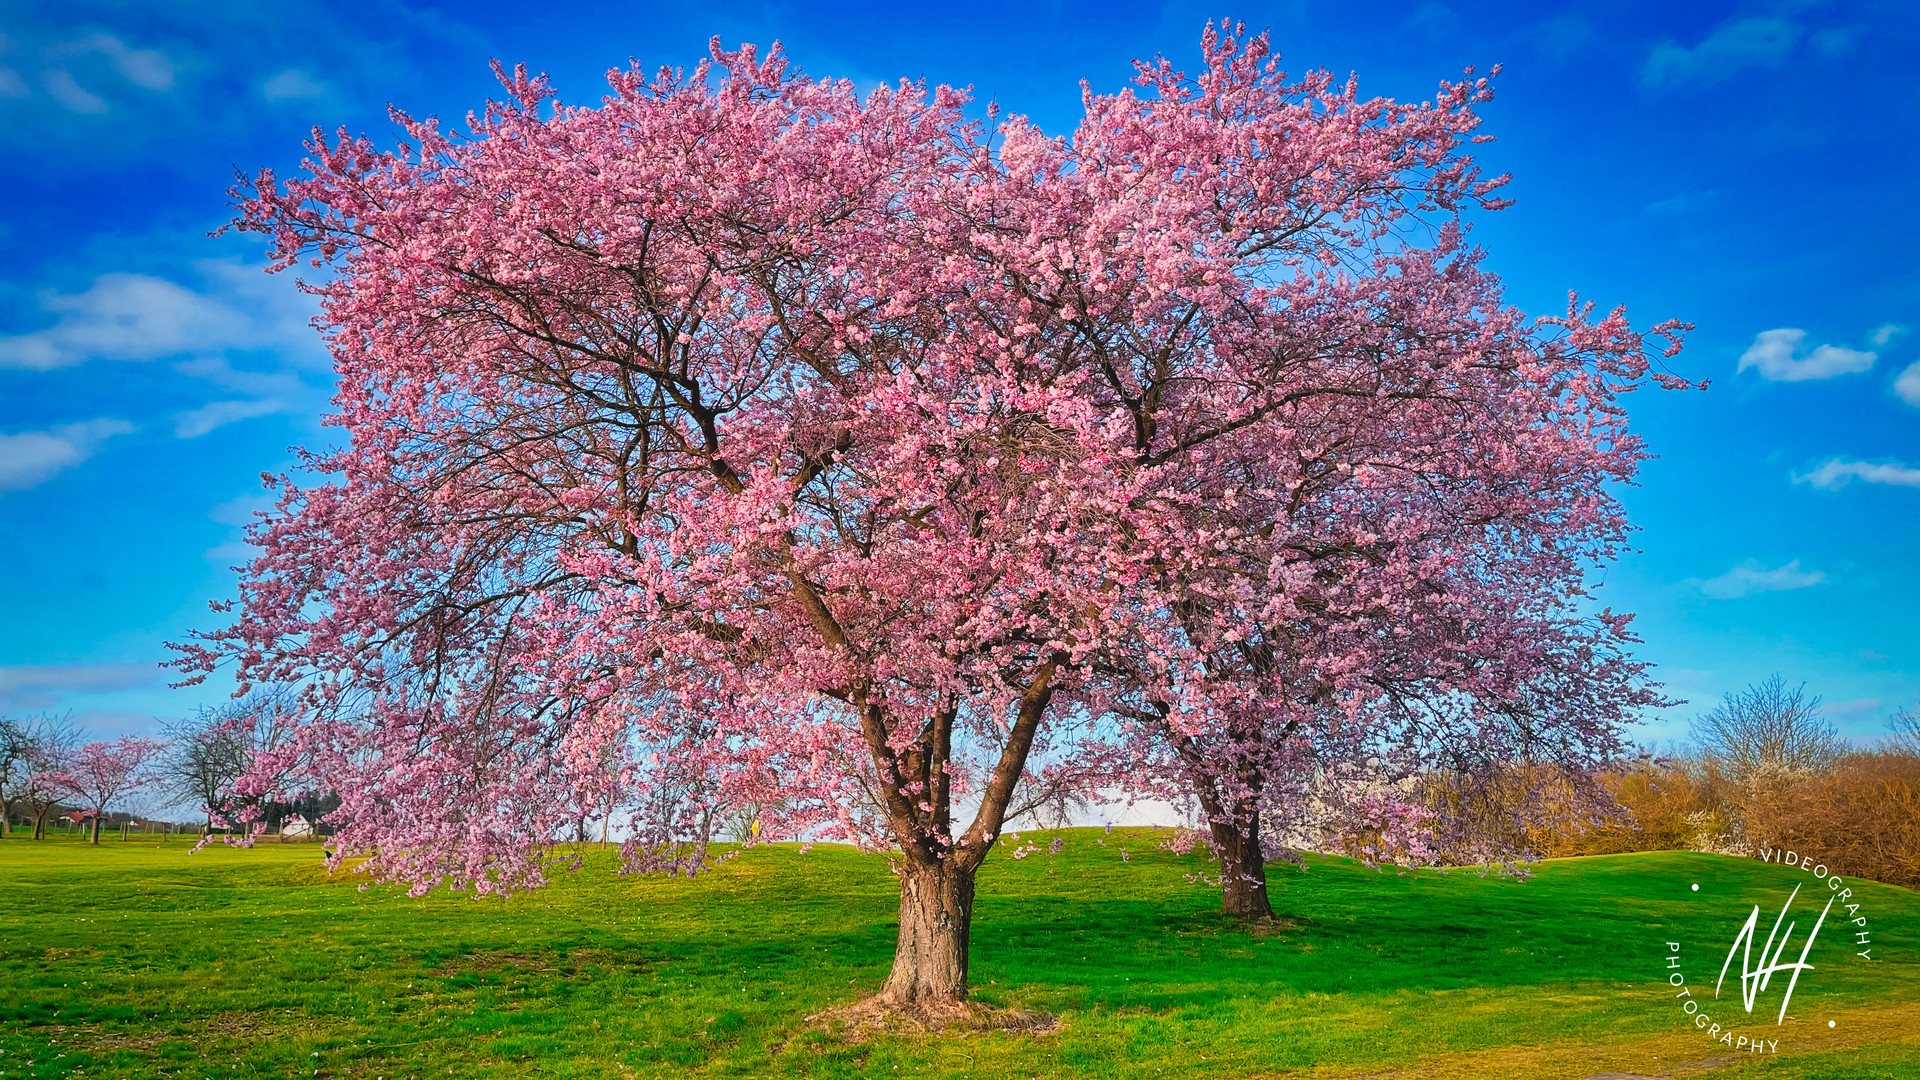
x,y
1753,980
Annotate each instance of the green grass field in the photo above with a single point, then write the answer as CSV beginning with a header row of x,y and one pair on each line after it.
x,y
135,959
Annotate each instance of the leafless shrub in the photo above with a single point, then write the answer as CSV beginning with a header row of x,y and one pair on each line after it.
x,y
1768,725
213,748
1905,738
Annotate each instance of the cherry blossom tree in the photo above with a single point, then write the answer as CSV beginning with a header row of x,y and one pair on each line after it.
x,y
1374,570
101,774
741,441
1385,731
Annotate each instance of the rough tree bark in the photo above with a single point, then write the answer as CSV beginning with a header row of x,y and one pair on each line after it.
x,y
1234,830
936,874
1243,868
936,922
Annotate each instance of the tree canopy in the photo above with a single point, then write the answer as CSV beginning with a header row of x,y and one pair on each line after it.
x,y
741,440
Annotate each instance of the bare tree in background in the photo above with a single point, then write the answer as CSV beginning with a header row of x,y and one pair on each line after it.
x,y
14,747
32,754
1768,726
213,747
1906,732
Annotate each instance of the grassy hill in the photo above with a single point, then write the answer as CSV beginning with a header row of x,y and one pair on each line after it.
x,y
137,960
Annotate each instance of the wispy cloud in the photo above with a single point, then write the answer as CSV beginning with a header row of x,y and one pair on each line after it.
x,y
41,686
218,414
1908,384
29,457
1685,202
1751,577
292,85
1839,472
82,74
1778,356
240,331
241,509
1761,41
61,86
95,84
129,317
1887,335
149,69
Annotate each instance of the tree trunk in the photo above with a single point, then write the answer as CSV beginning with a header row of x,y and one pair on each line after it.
x,y
936,919
40,825
96,830
1243,871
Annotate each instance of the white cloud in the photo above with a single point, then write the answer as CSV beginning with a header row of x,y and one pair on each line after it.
x,y
1750,577
38,686
256,385
1838,473
146,68
70,94
30,457
243,332
217,414
233,555
191,74
1886,335
124,316
1774,352
292,85
1685,202
1733,47
1908,384
240,510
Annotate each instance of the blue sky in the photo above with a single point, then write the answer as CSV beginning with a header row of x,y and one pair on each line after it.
x,y
1748,167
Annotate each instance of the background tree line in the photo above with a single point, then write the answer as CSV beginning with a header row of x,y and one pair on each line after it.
x,y
48,769
1762,769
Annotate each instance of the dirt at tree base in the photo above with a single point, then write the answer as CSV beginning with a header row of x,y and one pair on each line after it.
x,y
878,1016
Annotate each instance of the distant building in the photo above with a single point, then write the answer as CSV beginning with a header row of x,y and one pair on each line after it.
x,y
295,825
